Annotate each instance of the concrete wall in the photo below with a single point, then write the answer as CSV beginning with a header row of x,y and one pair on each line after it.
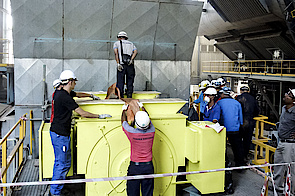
x,y
204,51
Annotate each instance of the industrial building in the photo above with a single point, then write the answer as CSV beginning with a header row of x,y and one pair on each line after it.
x,y
179,43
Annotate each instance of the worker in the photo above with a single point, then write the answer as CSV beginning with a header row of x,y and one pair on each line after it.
x,y
57,86
141,139
60,128
217,85
113,92
202,86
212,110
222,82
285,151
232,118
125,52
250,109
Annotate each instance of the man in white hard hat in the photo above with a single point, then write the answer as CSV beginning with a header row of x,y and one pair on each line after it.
x,y
60,128
285,152
125,52
202,86
212,109
232,119
141,139
250,110
57,85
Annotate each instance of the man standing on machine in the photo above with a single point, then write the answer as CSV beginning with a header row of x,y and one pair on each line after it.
x,y
125,52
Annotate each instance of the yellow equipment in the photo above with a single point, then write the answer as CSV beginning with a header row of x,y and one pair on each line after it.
x,y
103,149
135,95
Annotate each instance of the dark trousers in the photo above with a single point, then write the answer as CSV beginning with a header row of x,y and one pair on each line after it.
x,y
237,147
246,131
129,71
147,185
201,116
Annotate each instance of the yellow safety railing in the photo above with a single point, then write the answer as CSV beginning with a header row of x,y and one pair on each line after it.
x,y
18,149
251,67
262,150
260,142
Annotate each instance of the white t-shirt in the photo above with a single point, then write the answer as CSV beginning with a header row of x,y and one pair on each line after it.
x,y
128,48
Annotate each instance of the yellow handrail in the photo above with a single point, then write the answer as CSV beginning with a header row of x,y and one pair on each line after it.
x,y
259,142
252,67
18,148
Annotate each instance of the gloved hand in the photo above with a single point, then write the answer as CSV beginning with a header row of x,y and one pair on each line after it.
x,y
130,62
125,107
120,67
94,97
140,104
103,116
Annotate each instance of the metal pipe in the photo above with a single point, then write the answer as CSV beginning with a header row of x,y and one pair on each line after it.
x,y
281,92
44,91
199,59
31,132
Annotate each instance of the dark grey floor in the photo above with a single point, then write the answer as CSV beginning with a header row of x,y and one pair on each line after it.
x,y
247,183
29,173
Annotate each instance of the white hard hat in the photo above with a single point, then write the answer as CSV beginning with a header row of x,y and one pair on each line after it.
x,y
221,80
245,88
56,83
293,92
204,84
67,75
210,91
142,120
215,83
122,34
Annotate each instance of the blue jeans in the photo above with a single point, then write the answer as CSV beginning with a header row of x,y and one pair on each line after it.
x,y
62,163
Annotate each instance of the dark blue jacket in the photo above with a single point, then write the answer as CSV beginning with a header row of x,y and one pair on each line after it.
x,y
212,113
231,114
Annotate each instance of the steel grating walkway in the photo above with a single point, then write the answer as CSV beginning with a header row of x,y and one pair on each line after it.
x,y
29,173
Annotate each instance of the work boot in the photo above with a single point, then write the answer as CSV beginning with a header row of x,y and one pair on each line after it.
x,y
229,189
52,194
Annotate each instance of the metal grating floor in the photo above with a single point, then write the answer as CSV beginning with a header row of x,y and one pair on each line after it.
x,y
29,173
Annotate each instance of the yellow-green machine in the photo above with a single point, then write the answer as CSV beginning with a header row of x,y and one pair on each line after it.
x,y
135,95
103,150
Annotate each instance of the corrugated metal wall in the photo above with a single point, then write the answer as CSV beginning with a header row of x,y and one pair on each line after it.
x,y
162,30
79,35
